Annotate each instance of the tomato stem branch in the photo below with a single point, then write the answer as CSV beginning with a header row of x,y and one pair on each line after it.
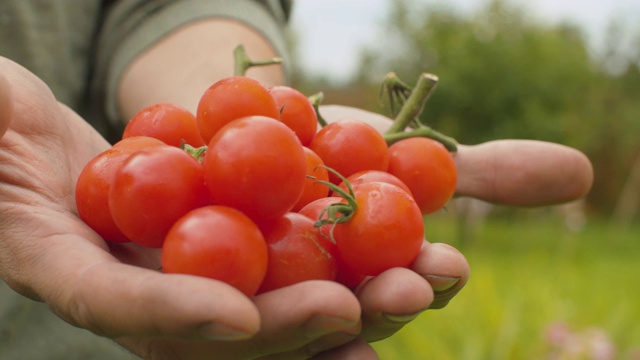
x,y
243,62
196,152
413,106
316,99
396,90
337,213
424,131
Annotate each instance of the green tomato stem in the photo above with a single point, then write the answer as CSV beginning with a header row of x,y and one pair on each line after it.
x,y
413,106
337,213
450,143
396,91
243,63
316,99
196,152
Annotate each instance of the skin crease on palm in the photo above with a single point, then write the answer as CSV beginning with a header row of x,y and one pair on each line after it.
x,y
49,255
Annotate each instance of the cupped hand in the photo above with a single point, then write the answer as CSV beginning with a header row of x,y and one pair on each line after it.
x,y
48,254
509,172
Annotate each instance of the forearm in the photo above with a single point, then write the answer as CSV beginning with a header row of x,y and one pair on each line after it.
x,y
180,67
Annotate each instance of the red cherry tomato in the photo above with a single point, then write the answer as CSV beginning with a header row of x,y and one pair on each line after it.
x,y
232,98
152,189
427,168
170,123
346,275
349,146
257,165
296,111
314,210
95,180
297,252
385,231
220,243
316,171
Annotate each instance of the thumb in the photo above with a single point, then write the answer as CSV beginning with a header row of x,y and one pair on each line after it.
x,y
91,290
118,300
6,105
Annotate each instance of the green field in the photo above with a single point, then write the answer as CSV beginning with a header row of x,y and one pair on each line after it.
x,y
527,274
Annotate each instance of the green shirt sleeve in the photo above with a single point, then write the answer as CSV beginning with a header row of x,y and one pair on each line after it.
x,y
80,51
134,25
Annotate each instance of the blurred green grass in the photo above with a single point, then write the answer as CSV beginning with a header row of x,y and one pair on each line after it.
x,y
527,273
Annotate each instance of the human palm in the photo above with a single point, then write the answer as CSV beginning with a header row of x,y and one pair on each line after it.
x,y
48,254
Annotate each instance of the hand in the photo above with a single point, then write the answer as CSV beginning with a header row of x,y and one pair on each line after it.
x,y
48,254
509,172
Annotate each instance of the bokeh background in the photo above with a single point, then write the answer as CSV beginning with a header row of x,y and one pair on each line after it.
x,y
559,282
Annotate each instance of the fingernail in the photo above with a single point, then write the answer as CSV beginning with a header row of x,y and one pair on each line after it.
x,y
217,331
320,325
329,342
401,319
441,283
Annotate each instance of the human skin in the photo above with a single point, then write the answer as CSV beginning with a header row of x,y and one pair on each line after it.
x,y
48,254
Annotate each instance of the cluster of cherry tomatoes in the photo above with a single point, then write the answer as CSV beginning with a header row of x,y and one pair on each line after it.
x,y
248,191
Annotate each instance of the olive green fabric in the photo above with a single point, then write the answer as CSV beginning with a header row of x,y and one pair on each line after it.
x,y
79,48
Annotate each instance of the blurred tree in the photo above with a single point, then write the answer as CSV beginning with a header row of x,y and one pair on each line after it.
x,y
504,74
501,73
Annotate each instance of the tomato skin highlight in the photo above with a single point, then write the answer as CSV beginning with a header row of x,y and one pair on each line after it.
x,y
296,111
386,230
255,164
297,252
427,168
152,189
220,243
167,122
349,146
232,98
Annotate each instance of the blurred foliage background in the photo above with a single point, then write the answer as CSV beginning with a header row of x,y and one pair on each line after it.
x,y
506,75
548,283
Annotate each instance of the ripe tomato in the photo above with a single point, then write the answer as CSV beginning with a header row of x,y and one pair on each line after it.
x,y
427,168
170,123
313,190
232,98
314,209
152,189
385,231
296,111
297,252
349,146
95,180
220,243
346,275
366,176
255,164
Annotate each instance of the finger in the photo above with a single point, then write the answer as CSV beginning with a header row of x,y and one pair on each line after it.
x,y
391,300
293,318
6,105
358,349
117,300
523,172
446,270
